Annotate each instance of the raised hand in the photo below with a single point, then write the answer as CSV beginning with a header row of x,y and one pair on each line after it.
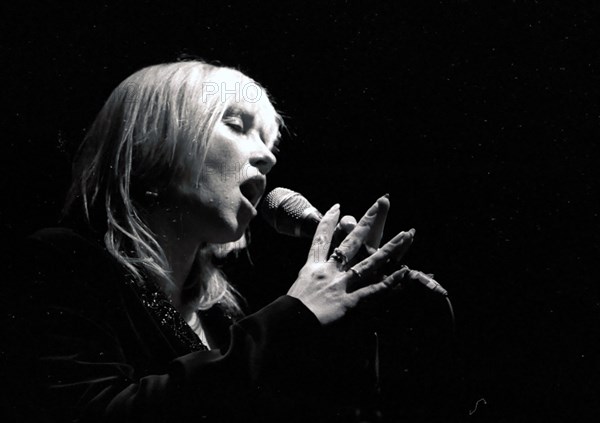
x,y
328,285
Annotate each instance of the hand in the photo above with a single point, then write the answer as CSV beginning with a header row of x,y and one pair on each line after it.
x,y
327,286
373,239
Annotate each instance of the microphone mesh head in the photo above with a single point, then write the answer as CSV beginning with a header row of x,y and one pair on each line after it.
x,y
283,207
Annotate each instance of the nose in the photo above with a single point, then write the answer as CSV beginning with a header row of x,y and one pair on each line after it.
x,y
262,158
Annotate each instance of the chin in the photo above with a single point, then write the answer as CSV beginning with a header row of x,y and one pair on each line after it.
x,y
234,237
221,250
232,231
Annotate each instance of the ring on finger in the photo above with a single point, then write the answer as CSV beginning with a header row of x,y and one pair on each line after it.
x,y
356,272
339,257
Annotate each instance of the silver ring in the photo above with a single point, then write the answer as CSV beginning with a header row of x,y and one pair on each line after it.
x,y
356,272
339,257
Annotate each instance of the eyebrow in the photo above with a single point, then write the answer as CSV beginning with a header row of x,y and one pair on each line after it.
x,y
265,129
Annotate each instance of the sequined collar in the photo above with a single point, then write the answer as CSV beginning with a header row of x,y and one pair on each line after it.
x,y
170,320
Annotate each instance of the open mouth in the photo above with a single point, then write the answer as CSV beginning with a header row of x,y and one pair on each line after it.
x,y
253,189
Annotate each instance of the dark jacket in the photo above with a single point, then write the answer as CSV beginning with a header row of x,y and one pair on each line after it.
x,y
84,343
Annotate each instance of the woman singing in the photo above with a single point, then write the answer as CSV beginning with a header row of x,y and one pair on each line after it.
x,y
108,320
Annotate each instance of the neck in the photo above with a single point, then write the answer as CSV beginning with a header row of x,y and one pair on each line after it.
x,y
180,250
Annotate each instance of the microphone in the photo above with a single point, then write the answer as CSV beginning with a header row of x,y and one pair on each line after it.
x,y
427,281
290,213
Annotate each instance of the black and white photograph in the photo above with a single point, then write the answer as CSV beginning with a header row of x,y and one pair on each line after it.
x,y
336,211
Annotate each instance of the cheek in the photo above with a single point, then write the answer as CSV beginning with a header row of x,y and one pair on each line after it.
x,y
226,158
214,197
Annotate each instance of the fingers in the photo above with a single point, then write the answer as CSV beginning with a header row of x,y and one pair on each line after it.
x,y
387,283
359,234
393,249
376,233
347,223
322,239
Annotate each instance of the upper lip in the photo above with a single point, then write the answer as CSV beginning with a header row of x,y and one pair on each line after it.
x,y
253,188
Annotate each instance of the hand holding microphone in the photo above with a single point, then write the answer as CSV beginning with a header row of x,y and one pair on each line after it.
x,y
328,284
290,213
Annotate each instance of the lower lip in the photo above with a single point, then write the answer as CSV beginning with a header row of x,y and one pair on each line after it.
x,y
254,212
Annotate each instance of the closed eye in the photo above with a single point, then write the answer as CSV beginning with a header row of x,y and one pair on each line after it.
x,y
236,123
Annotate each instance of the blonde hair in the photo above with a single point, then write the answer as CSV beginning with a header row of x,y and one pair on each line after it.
x,y
154,127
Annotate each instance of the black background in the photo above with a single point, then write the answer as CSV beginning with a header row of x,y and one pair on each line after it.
x,y
481,121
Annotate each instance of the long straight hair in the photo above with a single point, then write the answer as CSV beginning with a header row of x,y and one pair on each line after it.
x,y
154,127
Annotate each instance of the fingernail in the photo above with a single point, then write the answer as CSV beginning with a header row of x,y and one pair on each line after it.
x,y
399,276
335,207
384,199
374,209
412,231
387,195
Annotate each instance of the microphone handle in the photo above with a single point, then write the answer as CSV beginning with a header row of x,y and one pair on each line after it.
x,y
307,224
